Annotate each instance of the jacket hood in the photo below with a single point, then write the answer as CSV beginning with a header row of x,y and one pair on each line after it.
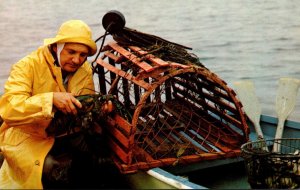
x,y
74,31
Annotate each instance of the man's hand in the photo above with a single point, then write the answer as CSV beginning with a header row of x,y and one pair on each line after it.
x,y
66,102
108,107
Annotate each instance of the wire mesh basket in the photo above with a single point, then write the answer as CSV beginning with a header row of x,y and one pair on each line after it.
x,y
267,169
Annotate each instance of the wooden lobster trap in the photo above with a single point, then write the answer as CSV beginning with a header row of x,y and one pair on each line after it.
x,y
180,114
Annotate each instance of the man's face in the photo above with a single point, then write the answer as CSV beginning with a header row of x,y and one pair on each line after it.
x,y
73,56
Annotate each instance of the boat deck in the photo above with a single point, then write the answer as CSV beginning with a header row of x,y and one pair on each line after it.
x,y
230,173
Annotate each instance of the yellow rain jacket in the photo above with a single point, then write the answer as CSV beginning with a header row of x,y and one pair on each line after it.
x,y
27,109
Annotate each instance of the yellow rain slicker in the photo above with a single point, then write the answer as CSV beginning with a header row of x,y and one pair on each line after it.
x,y
27,109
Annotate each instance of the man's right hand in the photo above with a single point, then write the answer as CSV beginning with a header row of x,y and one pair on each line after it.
x,y
66,102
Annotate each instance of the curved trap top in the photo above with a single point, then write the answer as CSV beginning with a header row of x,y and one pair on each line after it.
x,y
180,113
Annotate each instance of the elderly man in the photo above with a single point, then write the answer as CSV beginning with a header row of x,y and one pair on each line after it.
x,y
39,85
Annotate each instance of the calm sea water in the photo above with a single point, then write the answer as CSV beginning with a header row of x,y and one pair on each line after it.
x,y
237,39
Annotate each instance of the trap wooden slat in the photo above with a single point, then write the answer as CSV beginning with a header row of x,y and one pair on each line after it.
x,y
211,107
113,131
202,141
175,107
157,73
134,59
176,133
111,56
123,123
209,96
149,56
123,74
144,165
214,136
193,137
208,117
161,142
119,151
209,85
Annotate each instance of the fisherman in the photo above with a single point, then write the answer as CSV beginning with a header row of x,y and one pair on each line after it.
x,y
40,84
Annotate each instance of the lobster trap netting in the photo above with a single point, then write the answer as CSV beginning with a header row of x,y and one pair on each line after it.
x,y
275,170
180,113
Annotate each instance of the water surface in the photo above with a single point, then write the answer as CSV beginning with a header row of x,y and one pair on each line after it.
x,y
238,40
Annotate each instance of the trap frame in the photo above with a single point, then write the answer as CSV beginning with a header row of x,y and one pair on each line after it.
x,y
180,114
